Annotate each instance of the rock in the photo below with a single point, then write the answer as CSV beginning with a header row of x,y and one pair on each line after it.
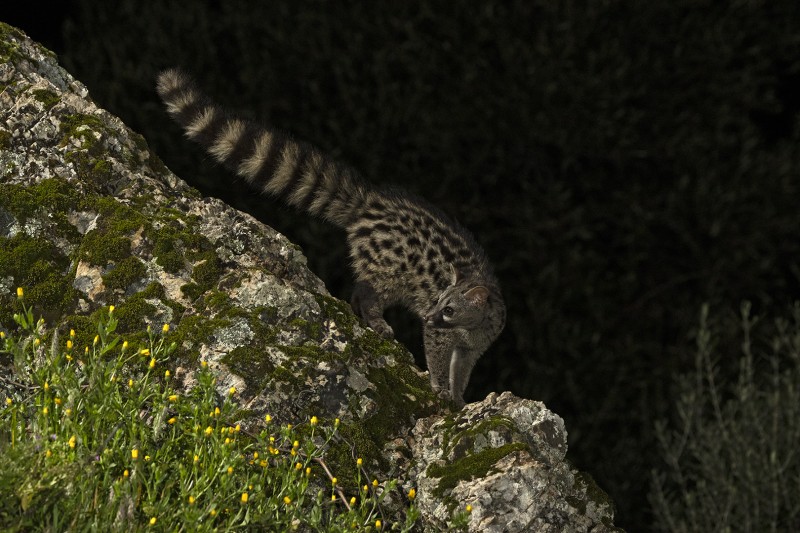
x,y
504,457
89,217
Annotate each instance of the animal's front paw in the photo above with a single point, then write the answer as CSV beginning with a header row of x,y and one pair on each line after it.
x,y
382,328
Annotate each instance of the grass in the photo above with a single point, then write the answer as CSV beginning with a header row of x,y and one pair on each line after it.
x,y
103,438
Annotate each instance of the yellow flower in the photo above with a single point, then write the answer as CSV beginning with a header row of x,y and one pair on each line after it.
x,y
9,401
153,521
191,500
145,351
71,442
125,473
244,497
232,391
238,428
96,340
48,453
130,383
69,344
171,420
86,350
204,364
172,397
377,524
255,455
314,421
2,335
124,345
227,440
209,430
152,362
287,500
196,458
353,501
288,426
216,411
365,488
69,357
359,461
67,411
213,512
46,386
268,419
20,292
412,493
111,309
468,508
262,463
147,458
37,342
72,334
333,497
333,481
308,470
165,328
134,453
336,422
296,444
57,401
166,374
45,410
374,482
298,466
230,470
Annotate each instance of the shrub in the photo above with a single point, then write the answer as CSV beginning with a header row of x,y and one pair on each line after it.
x,y
731,457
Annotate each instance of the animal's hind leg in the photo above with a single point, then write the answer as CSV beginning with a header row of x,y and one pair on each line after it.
x,y
368,304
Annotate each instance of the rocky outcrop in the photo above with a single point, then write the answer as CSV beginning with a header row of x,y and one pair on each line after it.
x,y
89,217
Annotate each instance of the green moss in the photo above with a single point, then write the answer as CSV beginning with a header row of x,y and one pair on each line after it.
x,y
5,140
470,467
39,267
218,301
125,272
207,272
338,311
153,291
48,98
81,126
54,195
9,52
132,312
191,332
192,291
249,362
174,244
99,248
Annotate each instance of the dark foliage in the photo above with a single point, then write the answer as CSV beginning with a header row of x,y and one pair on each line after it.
x,y
622,162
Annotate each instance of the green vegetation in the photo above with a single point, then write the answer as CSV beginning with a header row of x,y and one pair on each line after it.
x,y
101,438
730,455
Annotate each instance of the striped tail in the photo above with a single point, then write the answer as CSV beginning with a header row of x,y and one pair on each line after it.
x,y
267,159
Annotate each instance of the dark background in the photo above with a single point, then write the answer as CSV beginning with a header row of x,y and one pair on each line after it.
x,y
621,162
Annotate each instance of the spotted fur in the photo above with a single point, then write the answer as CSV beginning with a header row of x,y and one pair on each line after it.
x,y
403,250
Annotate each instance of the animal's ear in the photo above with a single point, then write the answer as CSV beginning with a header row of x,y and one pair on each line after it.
x,y
456,275
477,295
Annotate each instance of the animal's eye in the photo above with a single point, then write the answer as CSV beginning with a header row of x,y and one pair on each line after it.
x,y
447,311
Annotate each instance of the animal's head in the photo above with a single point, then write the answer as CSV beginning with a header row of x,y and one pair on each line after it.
x,y
467,303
